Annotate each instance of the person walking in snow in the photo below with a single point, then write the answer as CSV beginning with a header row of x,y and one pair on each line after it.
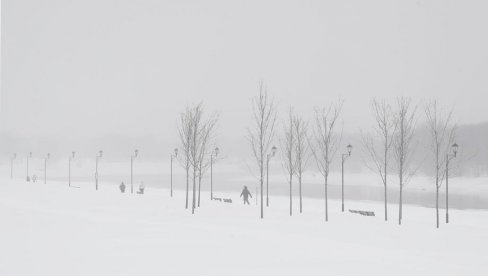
x,y
245,195
122,187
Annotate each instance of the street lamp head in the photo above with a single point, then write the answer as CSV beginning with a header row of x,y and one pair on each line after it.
x,y
48,156
176,152
136,152
349,149
455,149
273,150
216,150
73,154
100,153
15,155
30,154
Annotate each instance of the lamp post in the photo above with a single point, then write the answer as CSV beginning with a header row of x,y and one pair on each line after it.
x,y
71,157
448,158
28,156
214,153
344,157
48,156
132,157
172,157
12,165
268,156
100,154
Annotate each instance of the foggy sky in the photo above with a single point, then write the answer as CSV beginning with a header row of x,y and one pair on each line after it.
x,y
98,67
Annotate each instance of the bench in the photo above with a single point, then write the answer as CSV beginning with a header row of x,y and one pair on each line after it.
x,y
362,213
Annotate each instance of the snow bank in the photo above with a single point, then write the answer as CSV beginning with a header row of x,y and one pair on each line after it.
x,y
55,230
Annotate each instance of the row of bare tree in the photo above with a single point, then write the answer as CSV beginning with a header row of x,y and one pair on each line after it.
x,y
297,145
390,144
392,141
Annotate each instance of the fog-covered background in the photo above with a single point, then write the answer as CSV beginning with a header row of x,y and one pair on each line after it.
x,y
113,75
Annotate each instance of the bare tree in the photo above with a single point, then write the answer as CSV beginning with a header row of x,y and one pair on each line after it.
x,y
383,131
196,134
206,139
442,133
202,132
403,148
302,151
194,149
325,143
288,144
185,133
261,132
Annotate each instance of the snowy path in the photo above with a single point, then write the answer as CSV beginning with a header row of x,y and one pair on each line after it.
x,y
53,230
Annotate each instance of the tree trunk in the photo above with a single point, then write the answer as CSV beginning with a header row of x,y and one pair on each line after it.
x,y
267,181
386,175
401,190
199,185
447,189
326,203
300,190
211,177
187,182
194,191
199,182
437,167
400,208
437,204
261,180
291,179
386,205
194,169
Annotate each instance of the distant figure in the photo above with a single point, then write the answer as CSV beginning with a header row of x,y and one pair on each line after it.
x,y
122,187
28,179
141,188
245,195
34,178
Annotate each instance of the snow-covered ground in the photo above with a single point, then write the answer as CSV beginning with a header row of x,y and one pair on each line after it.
x,y
55,230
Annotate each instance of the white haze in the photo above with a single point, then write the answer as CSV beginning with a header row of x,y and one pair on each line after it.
x,y
76,72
